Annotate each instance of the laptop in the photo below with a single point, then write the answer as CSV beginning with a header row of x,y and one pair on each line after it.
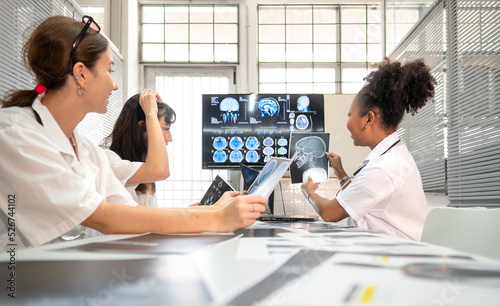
x,y
264,182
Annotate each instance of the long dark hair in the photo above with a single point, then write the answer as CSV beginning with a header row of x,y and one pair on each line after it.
x,y
128,139
46,55
394,89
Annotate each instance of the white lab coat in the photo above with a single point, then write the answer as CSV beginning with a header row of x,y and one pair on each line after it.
x,y
387,194
54,190
123,170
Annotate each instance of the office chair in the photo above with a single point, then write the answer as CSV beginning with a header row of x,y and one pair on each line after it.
x,y
474,230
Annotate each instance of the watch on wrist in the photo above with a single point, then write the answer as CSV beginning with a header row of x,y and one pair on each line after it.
x,y
344,178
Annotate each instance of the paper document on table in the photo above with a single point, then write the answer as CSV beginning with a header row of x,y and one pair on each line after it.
x,y
218,264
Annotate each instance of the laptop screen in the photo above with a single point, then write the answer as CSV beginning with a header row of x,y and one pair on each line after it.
x,y
249,175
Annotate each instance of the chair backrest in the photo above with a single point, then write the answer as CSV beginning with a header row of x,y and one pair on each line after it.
x,y
473,230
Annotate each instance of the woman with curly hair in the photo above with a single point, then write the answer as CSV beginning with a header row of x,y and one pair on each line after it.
x,y
385,193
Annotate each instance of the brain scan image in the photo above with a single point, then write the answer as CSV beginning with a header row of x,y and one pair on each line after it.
x,y
252,143
282,142
268,151
310,152
252,157
229,108
236,157
236,143
268,141
267,158
268,107
220,156
303,104
302,122
282,151
220,143
292,121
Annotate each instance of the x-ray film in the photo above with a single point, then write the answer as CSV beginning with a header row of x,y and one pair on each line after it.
x,y
215,191
270,176
311,159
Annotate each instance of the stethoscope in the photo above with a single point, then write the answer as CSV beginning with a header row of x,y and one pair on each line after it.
x,y
361,168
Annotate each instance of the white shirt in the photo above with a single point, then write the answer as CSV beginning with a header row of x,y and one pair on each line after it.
x,y
54,189
123,170
387,194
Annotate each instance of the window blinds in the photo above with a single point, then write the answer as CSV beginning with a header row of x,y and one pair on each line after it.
x,y
17,20
474,131
459,40
424,133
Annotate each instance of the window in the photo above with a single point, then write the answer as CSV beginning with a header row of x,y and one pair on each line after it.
x,y
99,10
317,48
189,33
182,89
400,18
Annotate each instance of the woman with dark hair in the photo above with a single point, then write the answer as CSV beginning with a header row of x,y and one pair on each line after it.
x,y
54,180
385,193
137,151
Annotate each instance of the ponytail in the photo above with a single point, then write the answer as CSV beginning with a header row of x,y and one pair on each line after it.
x,y
21,98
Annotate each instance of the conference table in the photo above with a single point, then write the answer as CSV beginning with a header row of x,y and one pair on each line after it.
x,y
269,263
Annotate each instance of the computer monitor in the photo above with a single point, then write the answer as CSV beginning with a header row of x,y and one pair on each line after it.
x,y
250,129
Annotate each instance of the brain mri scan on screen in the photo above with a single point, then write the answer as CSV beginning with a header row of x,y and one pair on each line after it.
x,y
229,108
253,128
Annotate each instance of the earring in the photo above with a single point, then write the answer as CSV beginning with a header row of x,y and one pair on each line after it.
x,y
81,91
78,77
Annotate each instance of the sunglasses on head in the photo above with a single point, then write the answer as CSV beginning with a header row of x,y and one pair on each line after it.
x,y
89,23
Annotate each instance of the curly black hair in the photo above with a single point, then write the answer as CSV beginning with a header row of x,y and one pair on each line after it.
x,y
394,89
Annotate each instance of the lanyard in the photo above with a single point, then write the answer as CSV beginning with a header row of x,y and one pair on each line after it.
x,y
39,120
357,171
37,116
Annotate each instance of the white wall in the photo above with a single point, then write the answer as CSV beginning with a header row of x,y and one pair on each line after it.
x,y
336,108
